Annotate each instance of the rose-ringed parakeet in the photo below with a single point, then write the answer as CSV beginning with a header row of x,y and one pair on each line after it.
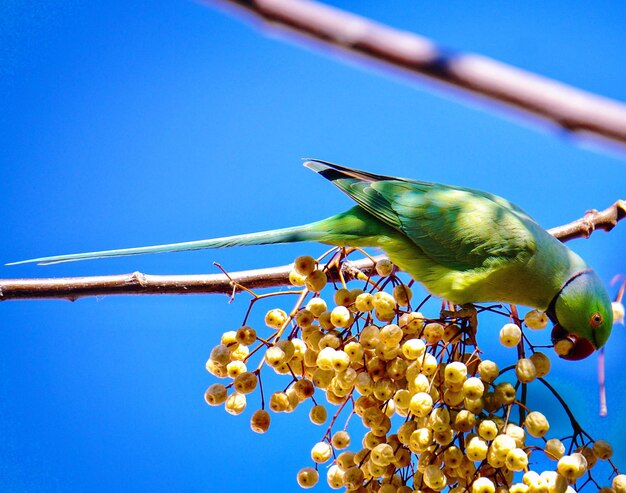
x,y
463,245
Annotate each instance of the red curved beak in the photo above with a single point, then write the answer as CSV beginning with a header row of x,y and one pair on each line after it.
x,y
582,347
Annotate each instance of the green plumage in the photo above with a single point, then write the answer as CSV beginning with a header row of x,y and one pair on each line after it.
x,y
463,245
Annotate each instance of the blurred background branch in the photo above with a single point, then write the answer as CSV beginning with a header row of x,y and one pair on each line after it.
x,y
72,288
570,109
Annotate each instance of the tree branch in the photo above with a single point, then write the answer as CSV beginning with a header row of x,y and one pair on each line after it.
x,y
72,288
569,108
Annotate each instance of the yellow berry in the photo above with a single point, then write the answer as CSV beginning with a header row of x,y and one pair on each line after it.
x,y
542,363
535,482
340,440
473,388
433,332
279,402
384,267
304,388
525,370
464,421
555,483
353,478
345,460
355,351
340,317
382,454
536,424
307,477
370,337
364,383
619,483
318,415
554,449
510,335
235,368
402,294
516,433
602,449
536,320
476,449
412,322
275,356
216,369
516,460
246,335
434,478
483,485
505,393
329,340
618,312
215,395
304,265
439,419
502,445
413,348
341,361
421,404
487,429
229,338
239,352
221,354
334,477
245,382
519,488
391,335
421,439
304,318
429,364
364,302
260,421
325,358
563,347
316,306
235,403
455,372
477,406
296,279
275,318
488,371
321,452
453,456
384,301
572,467
402,398
343,297
316,281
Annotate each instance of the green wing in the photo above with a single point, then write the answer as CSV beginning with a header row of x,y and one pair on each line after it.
x,y
458,228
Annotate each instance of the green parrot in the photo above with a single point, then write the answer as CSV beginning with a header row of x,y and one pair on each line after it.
x,y
463,245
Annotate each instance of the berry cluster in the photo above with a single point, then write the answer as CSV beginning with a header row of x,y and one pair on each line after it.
x,y
436,414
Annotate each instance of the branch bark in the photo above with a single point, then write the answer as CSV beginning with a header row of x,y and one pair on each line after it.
x,y
72,288
569,108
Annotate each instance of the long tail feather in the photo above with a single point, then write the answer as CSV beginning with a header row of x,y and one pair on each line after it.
x,y
286,235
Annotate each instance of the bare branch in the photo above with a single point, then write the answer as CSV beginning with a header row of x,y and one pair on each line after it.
x,y
592,220
569,108
72,288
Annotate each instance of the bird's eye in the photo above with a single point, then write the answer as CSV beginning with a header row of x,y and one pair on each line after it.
x,y
596,320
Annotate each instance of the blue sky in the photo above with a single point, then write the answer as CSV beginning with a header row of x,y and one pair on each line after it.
x,y
125,125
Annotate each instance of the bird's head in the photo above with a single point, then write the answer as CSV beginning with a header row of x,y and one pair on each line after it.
x,y
581,312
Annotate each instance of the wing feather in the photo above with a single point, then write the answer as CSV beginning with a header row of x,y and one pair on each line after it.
x,y
459,228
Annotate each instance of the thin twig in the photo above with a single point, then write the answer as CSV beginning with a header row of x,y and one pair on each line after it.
x,y
72,288
570,109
